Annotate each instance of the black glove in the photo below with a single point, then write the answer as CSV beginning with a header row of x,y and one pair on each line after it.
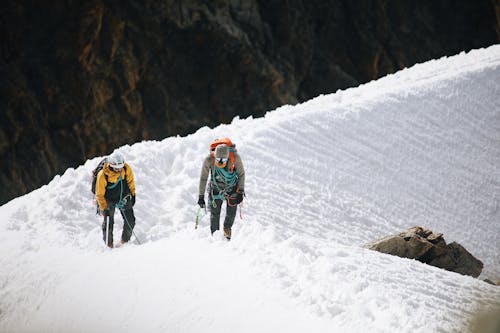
x,y
133,200
105,212
239,197
201,201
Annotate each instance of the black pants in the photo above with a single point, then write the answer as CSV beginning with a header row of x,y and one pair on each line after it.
x,y
128,224
215,215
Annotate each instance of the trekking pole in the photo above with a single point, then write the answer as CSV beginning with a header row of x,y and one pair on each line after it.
x,y
106,218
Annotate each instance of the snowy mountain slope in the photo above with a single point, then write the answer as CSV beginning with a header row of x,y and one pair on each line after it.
x,y
421,147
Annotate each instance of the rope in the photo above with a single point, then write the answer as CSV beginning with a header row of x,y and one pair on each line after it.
x,y
121,206
110,187
130,228
228,178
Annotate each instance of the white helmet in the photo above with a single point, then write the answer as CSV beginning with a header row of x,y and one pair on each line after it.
x,y
116,160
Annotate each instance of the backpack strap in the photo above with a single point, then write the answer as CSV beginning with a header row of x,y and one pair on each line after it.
x,y
232,151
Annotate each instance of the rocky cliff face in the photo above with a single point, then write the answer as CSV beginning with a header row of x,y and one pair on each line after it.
x,y
80,78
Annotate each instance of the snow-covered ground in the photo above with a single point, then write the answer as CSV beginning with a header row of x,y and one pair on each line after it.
x,y
421,147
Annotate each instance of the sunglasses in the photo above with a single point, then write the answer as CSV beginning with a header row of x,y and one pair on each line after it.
x,y
221,162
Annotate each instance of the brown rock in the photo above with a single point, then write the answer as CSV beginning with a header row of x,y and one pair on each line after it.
x,y
407,246
412,244
435,238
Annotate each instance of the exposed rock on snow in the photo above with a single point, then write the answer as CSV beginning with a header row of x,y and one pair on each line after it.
x,y
430,248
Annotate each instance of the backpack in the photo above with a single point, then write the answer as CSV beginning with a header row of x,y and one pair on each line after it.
x,y
98,168
232,150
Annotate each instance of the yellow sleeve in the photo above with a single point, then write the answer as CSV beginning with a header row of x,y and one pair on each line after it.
x,y
130,179
100,190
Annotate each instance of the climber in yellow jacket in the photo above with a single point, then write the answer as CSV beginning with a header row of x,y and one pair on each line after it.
x,y
115,189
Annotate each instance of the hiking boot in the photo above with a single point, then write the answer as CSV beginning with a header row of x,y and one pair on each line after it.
x,y
227,233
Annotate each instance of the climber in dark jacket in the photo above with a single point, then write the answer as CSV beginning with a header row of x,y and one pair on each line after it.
x,y
227,183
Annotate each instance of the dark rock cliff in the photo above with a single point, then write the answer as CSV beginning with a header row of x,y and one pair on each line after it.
x,y
80,78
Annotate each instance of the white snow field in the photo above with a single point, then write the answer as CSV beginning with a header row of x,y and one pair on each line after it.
x,y
420,147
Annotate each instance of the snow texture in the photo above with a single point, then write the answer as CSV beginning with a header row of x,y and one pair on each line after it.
x,y
420,147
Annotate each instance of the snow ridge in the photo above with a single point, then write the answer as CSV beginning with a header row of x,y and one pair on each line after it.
x,y
420,147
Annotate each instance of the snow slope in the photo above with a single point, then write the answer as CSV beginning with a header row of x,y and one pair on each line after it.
x,y
421,147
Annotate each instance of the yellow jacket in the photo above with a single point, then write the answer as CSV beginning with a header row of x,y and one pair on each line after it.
x,y
106,178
